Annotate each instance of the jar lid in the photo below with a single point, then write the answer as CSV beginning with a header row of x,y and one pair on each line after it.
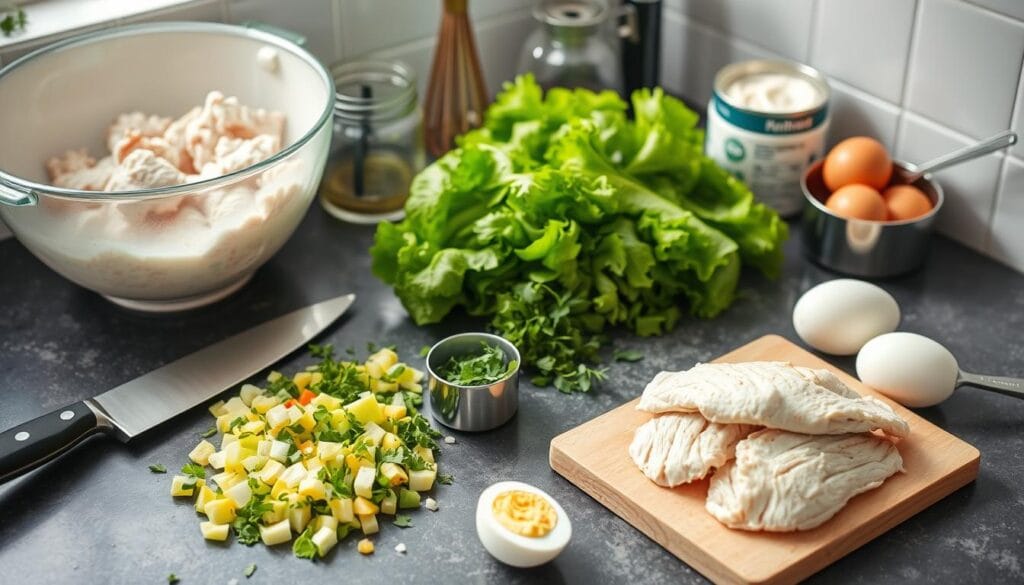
x,y
571,13
373,90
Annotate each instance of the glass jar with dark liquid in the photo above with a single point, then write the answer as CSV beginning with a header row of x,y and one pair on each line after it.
x,y
377,145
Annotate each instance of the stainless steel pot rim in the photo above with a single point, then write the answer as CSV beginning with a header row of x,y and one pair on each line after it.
x,y
499,340
810,198
30,187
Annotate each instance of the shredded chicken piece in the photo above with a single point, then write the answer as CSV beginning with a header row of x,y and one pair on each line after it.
x,y
142,169
673,449
92,178
71,161
138,123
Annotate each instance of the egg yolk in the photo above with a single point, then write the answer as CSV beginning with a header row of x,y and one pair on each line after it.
x,y
858,202
524,513
858,160
905,202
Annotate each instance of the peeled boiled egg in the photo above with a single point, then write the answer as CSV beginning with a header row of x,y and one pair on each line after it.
x,y
909,368
858,160
840,316
905,202
520,525
858,202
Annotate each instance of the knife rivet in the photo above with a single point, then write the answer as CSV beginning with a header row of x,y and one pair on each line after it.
x,y
22,436
67,415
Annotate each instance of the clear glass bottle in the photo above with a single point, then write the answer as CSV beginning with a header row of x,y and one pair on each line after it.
x,y
377,146
576,44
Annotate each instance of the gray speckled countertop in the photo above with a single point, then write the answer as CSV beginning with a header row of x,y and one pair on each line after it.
x,y
98,516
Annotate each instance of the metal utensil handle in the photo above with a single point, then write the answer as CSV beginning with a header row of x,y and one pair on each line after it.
x,y
1003,385
29,445
997,142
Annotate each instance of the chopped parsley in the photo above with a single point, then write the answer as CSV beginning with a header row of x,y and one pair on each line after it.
x,y
485,367
157,468
628,355
172,579
445,478
403,521
424,350
209,432
194,470
250,570
303,546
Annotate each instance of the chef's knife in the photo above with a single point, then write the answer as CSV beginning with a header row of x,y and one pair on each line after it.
x,y
137,406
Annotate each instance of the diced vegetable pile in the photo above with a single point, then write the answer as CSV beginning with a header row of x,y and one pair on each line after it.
x,y
317,455
561,217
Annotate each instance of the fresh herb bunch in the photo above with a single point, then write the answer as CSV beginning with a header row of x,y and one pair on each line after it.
x,y
477,369
13,19
562,217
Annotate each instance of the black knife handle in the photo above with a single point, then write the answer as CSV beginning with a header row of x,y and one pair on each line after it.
x,y
31,444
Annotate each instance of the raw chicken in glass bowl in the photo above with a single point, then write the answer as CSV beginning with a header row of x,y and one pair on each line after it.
x,y
160,165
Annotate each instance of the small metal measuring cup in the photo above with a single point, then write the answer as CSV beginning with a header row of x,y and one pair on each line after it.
x,y
471,408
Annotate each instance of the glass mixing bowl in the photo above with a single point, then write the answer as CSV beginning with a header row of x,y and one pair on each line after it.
x,y
174,247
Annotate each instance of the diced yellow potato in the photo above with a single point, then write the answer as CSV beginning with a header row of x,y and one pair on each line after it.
x,y
277,417
395,473
294,474
390,442
381,386
339,420
356,463
253,427
240,493
313,488
373,433
182,486
251,442
226,479
362,506
325,521
201,453
394,411
414,388
274,376
235,407
422,480
217,408
341,509
213,531
302,379
278,511
325,539
389,505
374,371
307,421
426,453
224,422
206,495
366,410
325,400
369,525
216,460
248,393
384,357
271,471
227,440
263,404
276,533
363,483
299,516
220,511
279,451
327,450
279,488
254,463
365,546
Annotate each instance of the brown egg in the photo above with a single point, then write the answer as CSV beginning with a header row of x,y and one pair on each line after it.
x,y
858,160
857,202
905,202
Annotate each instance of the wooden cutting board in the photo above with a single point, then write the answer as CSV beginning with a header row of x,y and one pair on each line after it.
x,y
594,456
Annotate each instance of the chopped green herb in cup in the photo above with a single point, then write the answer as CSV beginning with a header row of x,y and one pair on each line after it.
x,y
476,369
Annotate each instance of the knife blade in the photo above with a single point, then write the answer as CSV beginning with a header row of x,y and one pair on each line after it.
x,y
137,406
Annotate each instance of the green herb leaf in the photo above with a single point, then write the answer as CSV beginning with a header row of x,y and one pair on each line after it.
x,y
303,546
172,578
424,350
239,421
209,432
157,468
194,470
250,570
628,355
403,521
445,478
477,369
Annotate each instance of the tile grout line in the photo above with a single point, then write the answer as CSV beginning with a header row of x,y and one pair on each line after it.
x,y
815,20
915,30
1004,166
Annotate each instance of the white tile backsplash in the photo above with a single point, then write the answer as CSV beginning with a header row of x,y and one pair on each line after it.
x,y
875,63
856,113
313,19
970,187
781,26
1007,241
965,62
1011,8
208,10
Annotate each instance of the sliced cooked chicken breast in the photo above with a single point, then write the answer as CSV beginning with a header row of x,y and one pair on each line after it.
x,y
772,394
674,449
782,481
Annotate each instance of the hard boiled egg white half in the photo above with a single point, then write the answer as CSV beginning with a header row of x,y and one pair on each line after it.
x,y
513,548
